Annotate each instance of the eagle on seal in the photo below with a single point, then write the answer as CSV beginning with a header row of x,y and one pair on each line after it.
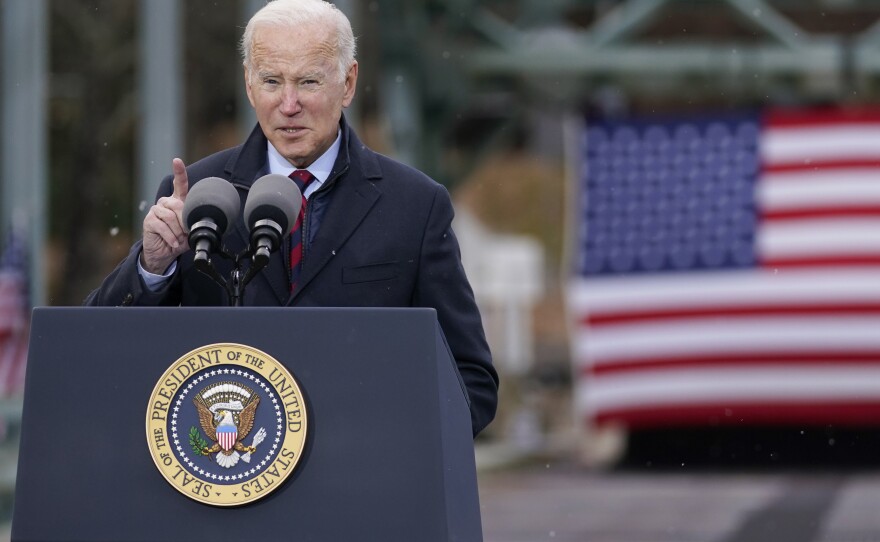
x,y
227,433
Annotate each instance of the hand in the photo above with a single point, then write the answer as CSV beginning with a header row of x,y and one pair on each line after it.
x,y
165,235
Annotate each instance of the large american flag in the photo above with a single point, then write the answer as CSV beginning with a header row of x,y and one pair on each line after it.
x,y
14,317
728,270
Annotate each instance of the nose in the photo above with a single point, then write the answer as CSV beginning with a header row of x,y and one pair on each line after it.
x,y
289,101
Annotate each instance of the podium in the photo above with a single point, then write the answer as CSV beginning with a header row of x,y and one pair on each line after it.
x,y
388,455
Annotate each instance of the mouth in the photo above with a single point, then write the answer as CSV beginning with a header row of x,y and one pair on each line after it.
x,y
291,131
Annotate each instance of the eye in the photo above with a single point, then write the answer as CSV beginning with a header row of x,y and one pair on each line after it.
x,y
270,82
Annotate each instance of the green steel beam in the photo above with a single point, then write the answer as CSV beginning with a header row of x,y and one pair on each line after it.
x,y
624,21
764,17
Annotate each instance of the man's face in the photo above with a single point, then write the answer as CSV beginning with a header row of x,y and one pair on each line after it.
x,y
296,90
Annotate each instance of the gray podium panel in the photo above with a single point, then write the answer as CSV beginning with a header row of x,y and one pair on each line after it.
x,y
389,452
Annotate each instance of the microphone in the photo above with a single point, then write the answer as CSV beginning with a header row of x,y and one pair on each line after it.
x,y
211,206
270,211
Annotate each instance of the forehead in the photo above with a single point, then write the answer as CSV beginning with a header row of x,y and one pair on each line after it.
x,y
305,46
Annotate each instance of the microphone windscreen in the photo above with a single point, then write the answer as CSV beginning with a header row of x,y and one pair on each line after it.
x,y
274,197
212,198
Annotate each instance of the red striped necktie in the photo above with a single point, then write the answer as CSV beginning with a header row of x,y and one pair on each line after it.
x,y
303,179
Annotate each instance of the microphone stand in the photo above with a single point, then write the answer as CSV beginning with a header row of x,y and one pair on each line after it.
x,y
236,284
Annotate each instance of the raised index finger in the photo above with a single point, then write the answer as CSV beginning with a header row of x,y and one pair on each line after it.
x,y
181,182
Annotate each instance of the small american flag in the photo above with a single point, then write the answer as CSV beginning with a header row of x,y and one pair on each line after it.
x,y
14,317
728,270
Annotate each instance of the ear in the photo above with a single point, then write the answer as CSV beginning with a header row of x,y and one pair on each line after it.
x,y
247,86
350,84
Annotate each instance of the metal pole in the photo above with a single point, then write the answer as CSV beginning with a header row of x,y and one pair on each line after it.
x,y
352,10
161,99
24,140
247,119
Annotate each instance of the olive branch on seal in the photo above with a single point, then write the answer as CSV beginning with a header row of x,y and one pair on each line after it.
x,y
196,441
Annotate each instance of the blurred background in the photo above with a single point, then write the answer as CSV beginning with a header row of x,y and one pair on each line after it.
x,y
669,211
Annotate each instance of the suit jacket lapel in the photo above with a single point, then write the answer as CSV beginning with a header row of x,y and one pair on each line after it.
x,y
352,200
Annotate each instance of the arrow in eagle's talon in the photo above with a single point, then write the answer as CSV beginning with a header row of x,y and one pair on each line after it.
x,y
258,438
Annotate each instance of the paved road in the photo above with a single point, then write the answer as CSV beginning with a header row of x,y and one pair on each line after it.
x,y
559,502
724,485
563,503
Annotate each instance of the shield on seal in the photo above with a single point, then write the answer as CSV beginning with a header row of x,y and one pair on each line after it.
x,y
226,436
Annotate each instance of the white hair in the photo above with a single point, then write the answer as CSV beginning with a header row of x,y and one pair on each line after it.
x,y
291,13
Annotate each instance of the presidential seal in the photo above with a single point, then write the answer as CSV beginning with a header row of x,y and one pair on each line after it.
x,y
226,424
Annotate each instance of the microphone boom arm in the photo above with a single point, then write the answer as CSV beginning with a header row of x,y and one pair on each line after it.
x,y
236,284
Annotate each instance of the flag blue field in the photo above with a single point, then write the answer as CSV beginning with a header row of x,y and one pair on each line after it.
x,y
727,269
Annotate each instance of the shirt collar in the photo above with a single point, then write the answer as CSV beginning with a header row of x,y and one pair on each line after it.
x,y
320,168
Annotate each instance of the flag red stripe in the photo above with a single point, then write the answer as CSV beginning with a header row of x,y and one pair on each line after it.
x,y
747,311
871,211
867,357
852,260
850,413
820,165
802,118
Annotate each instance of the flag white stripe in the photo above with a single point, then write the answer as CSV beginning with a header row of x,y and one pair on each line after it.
x,y
819,237
726,288
822,142
702,336
817,189
714,385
